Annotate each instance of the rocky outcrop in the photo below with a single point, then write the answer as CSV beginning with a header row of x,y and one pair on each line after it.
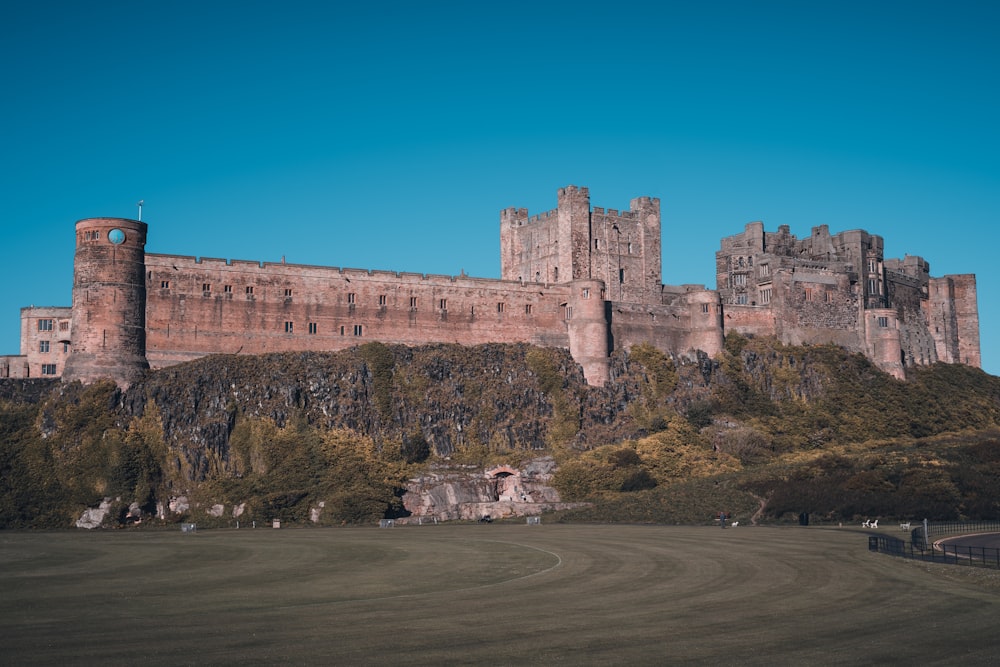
x,y
472,493
94,516
451,396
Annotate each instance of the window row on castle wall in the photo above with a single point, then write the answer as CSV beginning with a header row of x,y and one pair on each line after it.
x,y
352,298
764,296
313,327
627,246
812,294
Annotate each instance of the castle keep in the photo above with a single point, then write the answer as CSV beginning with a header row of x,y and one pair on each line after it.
x,y
579,277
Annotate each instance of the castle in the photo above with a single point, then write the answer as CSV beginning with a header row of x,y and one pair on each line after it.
x,y
578,277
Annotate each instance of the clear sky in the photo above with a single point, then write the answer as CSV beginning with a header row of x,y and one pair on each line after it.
x,y
389,135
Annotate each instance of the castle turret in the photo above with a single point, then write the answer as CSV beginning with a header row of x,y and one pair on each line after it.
x,y
588,329
883,341
574,234
108,338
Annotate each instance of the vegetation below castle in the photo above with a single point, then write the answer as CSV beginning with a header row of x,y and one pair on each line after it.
x,y
763,429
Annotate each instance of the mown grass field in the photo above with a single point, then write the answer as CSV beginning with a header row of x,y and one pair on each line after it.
x,y
486,595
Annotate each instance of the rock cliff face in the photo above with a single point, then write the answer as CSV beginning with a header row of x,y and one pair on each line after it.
x,y
470,493
452,396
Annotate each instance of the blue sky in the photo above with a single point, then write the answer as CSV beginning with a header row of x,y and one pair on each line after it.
x,y
390,135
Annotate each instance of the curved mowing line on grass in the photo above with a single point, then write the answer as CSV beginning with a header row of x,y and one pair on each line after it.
x,y
448,591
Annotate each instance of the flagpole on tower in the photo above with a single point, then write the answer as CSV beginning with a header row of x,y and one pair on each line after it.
x,y
140,210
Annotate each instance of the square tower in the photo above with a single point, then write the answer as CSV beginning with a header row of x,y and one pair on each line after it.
x,y
576,242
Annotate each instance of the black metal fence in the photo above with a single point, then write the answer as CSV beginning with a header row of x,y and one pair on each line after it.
x,y
954,554
936,531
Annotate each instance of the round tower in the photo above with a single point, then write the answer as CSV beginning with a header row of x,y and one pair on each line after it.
x,y
108,335
588,329
705,315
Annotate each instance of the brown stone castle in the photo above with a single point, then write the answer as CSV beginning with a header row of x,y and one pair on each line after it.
x,y
577,277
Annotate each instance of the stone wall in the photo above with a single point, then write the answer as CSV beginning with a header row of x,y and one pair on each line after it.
x,y
203,306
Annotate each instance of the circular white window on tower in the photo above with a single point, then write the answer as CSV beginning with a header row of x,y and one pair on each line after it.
x,y
116,236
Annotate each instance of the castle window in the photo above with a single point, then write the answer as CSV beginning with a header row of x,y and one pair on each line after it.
x,y
351,296
413,303
872,266
228,289
586,292
65,347
312,327
43,346
48,369
741,299
381,299
288,293
765,270
164,284
621,275
357,330
289,327
883,322
249,290
538,276
527,309
808,294
829,296
92,235
206,287
341,330
765,296
629,247
63,325
443,304
555,274
500,307
597,244
704,307
568,310
45,325
740,279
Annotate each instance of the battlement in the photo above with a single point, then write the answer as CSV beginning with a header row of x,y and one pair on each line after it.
x,y
615,213
571,190
514,216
